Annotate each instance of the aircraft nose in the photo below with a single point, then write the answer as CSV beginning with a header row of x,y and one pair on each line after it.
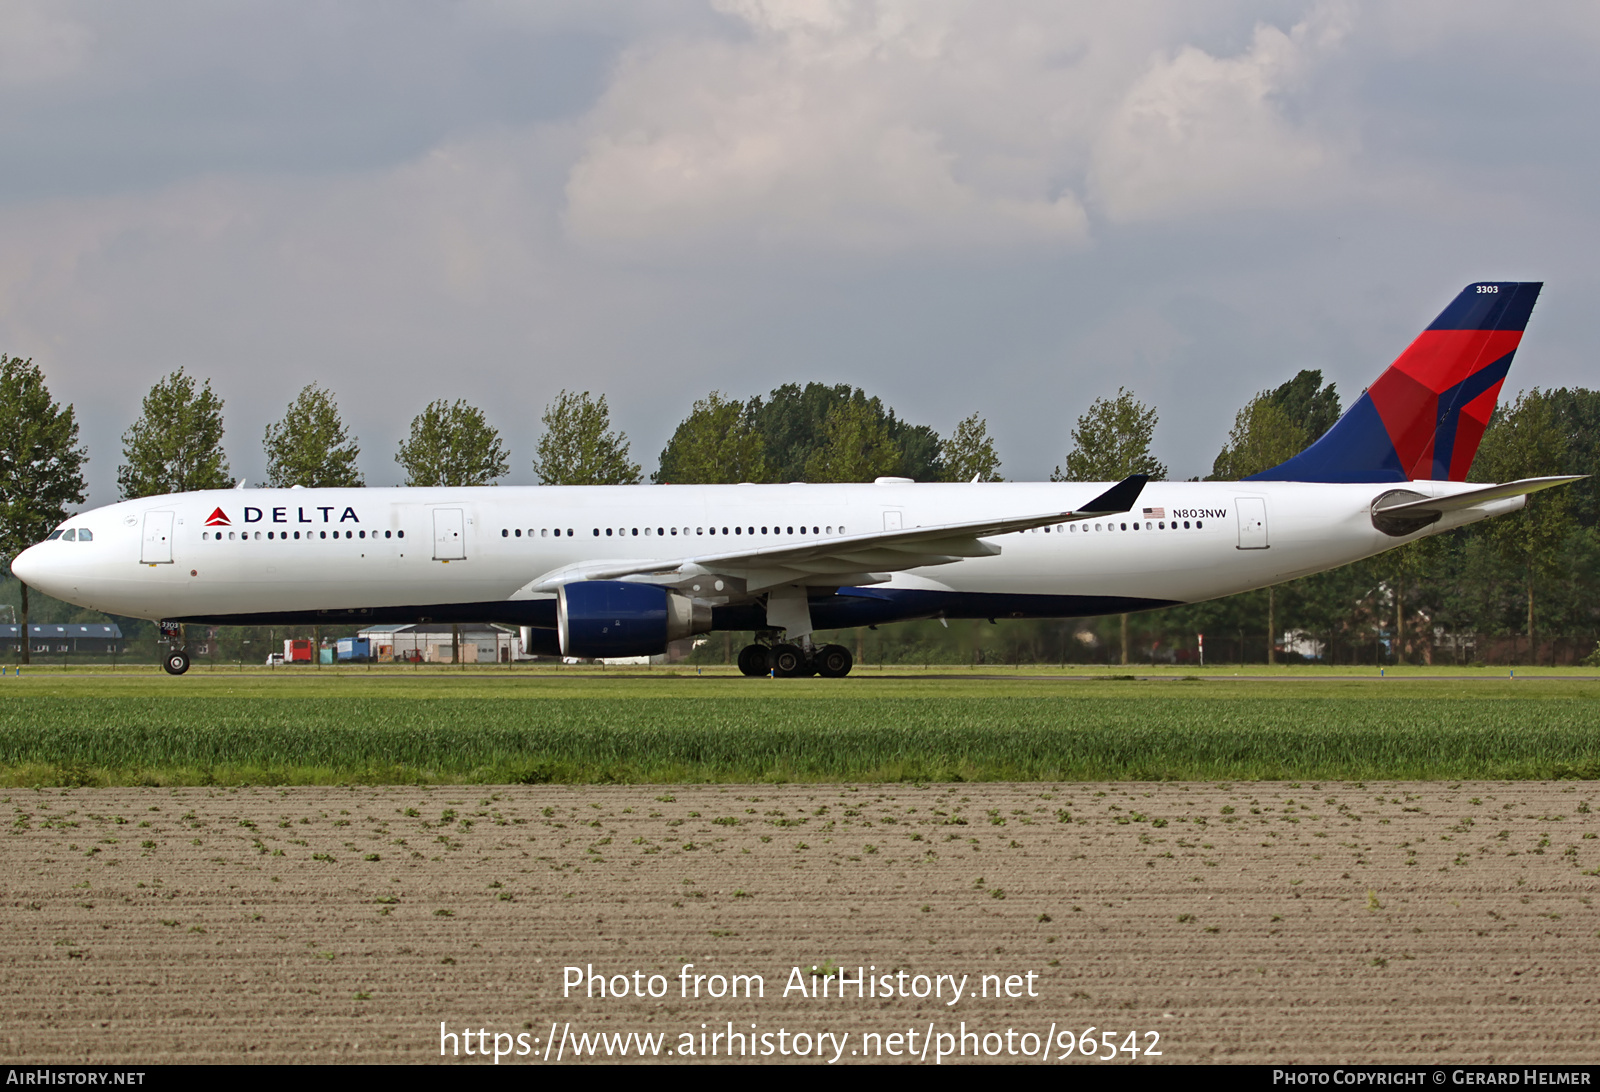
x,y
33,569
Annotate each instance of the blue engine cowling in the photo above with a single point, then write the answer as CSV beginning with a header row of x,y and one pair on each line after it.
x,y
596,618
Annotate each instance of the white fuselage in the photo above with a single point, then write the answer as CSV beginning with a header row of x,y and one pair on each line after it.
x,y
280,551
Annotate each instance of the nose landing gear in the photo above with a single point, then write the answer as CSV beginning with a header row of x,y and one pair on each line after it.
x,y
176,661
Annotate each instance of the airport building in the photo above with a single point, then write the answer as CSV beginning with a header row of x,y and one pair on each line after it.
x,y
479,643
64,638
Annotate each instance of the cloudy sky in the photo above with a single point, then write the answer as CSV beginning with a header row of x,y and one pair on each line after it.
x,y
1007,207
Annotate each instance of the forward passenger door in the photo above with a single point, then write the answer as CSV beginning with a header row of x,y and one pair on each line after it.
x,y
157,549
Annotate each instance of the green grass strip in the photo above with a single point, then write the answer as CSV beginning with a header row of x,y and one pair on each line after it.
x,y
158,740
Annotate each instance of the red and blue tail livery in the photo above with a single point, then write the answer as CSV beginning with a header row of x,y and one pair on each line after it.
x,y
1423,418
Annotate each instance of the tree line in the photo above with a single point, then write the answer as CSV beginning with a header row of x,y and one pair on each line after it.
x,y
1521,588
813,433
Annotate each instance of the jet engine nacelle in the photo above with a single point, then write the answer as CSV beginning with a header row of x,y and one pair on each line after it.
x,y
596,618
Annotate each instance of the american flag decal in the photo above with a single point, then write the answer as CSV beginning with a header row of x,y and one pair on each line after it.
x,y
1155,513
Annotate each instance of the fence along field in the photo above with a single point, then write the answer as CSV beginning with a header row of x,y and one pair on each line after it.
x,y
332,731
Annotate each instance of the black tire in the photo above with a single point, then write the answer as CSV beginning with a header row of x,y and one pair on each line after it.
x,y
788,662
176,663
753,660
834,661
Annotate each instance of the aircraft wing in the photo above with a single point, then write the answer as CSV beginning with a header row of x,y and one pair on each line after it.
x,y
848,559
1473,497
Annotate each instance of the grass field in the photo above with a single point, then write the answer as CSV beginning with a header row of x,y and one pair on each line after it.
x,y
401,726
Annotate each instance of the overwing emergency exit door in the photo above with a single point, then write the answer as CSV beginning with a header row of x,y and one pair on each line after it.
x,y
157,549
449,534
1252,523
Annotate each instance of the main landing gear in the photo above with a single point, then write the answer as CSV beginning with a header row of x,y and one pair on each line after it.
x,y
793,662
753,660
789,614
177,661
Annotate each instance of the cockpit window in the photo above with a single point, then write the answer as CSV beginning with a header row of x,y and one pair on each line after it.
x,y
53,536
69,535
85,535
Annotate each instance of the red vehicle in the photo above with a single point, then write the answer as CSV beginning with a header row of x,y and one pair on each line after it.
x,y
298,652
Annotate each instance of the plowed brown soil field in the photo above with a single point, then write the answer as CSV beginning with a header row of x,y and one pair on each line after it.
x,y
1417,922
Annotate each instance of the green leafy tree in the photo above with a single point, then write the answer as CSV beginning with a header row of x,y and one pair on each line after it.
x,y
452,444
718,443
793,423
921,450
1577,412
856,446
176,445
1263,436
311,446
1112,441
1308,403
1403,570
969,454
41,465
1528,441
578,446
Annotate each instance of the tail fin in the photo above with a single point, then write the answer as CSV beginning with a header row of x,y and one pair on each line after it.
x,y
1423,418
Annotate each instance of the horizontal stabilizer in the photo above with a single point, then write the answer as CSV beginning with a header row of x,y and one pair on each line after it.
x,y
1436,506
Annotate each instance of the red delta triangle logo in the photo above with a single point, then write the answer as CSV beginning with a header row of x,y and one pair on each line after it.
x,y
218,518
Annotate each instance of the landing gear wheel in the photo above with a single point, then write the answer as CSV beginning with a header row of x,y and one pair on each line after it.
x,y
753,660
177,662
788,662
833,661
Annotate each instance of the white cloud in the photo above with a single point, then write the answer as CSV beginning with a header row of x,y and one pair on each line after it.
x,y
1198,133
871,127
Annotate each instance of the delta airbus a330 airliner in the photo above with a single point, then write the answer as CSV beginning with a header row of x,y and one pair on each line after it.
x,y
596,571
